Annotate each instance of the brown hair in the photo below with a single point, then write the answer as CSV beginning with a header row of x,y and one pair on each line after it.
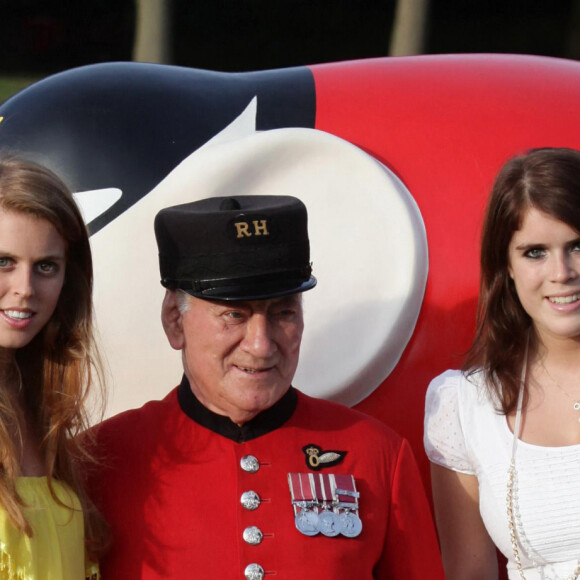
x,y
58,367
545,179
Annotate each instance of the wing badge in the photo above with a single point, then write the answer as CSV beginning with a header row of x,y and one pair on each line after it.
x,y
317,458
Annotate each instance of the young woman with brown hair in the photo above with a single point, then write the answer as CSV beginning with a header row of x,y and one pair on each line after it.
x,y
503,434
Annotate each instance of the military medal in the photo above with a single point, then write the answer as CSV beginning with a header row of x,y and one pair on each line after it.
x,y
328,522
350,524
346,498
307,522
325,503
304,503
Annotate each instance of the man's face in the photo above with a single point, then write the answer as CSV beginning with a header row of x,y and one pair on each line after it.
x,y
240,357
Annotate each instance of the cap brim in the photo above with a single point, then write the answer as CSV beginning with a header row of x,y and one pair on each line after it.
x,y
261,291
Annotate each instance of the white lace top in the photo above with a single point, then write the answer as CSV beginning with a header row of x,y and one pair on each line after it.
x,y
464,433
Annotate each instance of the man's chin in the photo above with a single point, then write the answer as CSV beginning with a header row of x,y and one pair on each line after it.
x,y
263,399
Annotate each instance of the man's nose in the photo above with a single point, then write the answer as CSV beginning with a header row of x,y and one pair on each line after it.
x,y
258,340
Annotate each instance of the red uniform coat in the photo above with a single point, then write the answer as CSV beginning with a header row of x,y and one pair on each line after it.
x,y
171,483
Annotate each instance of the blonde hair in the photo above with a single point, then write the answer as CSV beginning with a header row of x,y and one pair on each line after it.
x,y
59,366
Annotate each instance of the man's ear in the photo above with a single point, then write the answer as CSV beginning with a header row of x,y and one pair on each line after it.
x,y
171,318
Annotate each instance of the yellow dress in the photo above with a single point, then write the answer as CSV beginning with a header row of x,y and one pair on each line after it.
x,y
56,550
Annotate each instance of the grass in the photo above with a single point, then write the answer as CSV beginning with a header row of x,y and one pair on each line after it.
x,y
9,85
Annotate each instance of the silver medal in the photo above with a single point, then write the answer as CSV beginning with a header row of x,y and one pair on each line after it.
x,y
307,522
350,524
328,523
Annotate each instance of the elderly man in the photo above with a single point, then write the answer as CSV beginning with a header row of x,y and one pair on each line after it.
x,y
236,474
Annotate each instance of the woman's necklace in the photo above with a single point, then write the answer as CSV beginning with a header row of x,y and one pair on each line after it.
x,y
576,402
516,528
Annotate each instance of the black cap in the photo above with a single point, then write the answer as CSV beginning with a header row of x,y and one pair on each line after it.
x,y
247,247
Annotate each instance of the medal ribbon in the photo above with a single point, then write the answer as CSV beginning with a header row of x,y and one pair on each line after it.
x,y
345,489
301,488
